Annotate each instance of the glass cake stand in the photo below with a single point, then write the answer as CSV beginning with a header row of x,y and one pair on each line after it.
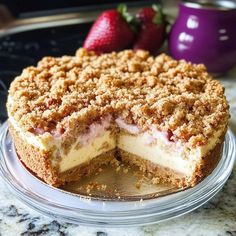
x,y
122,203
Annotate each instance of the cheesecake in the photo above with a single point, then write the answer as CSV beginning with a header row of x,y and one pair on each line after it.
x,y
71,115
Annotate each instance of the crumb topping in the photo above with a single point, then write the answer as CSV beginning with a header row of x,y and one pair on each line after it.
x,y
64,94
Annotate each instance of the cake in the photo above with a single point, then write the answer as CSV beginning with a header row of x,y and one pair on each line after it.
x,y
71,115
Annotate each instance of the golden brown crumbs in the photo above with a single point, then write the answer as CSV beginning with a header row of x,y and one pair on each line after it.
x,y
118,168
125,170
115,163
94,186
62,95
138,184
156,180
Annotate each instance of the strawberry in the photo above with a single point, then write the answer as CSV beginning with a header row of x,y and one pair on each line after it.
x,y
146,15
112,31
153,28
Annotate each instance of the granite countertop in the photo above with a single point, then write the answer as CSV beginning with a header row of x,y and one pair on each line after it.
x,y
217,217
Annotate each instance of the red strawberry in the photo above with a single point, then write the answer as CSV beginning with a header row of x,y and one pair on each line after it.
x,y
146,15
153,27
111,31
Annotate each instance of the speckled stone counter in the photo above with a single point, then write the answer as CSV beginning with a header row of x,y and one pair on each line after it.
x,y
217,217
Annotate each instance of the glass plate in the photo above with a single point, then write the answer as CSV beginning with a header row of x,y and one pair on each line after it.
x,y
131,206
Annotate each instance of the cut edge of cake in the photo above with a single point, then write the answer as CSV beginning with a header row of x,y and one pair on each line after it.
x,y
163,160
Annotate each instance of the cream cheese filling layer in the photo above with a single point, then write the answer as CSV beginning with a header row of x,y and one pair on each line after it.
x,y
163,152
96,147
159,153
173,155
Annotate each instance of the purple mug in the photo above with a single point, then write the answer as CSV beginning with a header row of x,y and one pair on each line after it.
x,y
206,33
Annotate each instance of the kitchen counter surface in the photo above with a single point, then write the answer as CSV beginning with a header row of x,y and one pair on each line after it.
x,y
217,217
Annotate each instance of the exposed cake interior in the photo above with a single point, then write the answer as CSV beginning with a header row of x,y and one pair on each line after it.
x,y
160,149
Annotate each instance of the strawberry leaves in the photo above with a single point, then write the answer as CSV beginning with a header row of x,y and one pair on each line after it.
x,y
159,17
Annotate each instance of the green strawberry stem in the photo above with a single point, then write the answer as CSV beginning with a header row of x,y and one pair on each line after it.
x,y
122,9
159,17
